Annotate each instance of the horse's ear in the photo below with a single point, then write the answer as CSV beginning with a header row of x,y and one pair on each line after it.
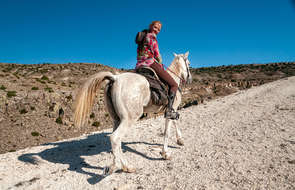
x,y
175,55
186,54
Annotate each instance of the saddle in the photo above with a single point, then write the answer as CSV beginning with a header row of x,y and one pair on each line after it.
x,y
159,89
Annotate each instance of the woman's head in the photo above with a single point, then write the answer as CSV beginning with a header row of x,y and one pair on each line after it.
x,y
155,27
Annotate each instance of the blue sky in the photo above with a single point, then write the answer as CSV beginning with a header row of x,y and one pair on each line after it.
x,y
215,32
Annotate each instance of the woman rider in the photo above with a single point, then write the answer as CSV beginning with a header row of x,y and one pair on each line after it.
x,y
148,55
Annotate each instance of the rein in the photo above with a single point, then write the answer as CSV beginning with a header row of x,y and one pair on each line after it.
x,y
182,80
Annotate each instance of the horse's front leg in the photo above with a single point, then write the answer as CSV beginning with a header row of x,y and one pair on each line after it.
x,y
165,154
178,135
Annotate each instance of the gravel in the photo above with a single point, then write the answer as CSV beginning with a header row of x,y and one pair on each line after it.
x,y
242,141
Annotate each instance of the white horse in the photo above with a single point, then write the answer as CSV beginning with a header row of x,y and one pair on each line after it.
x,y
127,97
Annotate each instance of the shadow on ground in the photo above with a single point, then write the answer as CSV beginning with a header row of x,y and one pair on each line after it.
x,y
72,153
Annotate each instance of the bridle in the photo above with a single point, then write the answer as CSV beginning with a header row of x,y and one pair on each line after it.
x,y
182,79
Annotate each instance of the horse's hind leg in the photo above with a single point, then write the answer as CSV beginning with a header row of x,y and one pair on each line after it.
x,y
118,160
124,164
110,107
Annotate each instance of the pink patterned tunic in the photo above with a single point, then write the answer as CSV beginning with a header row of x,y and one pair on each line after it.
x,y
149,53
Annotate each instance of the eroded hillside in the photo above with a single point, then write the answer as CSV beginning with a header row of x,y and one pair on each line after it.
x,y
36,100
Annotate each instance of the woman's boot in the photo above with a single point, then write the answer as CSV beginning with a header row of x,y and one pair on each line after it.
x,y
170,113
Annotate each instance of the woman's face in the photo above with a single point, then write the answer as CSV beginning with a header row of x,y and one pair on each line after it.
x,y
156,28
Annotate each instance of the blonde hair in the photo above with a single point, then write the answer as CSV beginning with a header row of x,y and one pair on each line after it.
x,y
154,22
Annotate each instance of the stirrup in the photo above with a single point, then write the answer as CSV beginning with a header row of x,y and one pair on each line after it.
x,y
171,114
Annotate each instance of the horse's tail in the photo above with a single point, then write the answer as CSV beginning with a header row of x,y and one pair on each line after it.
x,y
86,94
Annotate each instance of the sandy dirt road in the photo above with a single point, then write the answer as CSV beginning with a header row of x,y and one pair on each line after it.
x,y
242,141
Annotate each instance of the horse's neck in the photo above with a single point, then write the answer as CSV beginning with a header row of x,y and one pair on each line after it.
x,y
174,71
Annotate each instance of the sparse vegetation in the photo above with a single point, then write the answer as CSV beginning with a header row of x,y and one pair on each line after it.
x,y
35,134
11,94
16,75
44,71
23,111
92,115
35,88
48,89
96,124
44,77
58,120
195,80
41,81
2,87
69,97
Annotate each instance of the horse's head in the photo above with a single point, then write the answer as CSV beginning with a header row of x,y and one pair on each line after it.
x,y
183,67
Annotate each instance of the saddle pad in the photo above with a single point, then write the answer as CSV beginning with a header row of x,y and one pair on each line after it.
x,y
159,90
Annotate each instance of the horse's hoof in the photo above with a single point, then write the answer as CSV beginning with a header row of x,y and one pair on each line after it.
x,y
128,169
165,156
180,142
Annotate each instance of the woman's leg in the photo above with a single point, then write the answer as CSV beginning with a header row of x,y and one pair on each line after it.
x,y
165,76
170,113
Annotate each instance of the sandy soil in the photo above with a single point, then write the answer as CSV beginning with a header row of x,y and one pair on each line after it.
x,y
242,141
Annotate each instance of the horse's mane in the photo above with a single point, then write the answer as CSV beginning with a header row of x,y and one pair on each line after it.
x,y
174,66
